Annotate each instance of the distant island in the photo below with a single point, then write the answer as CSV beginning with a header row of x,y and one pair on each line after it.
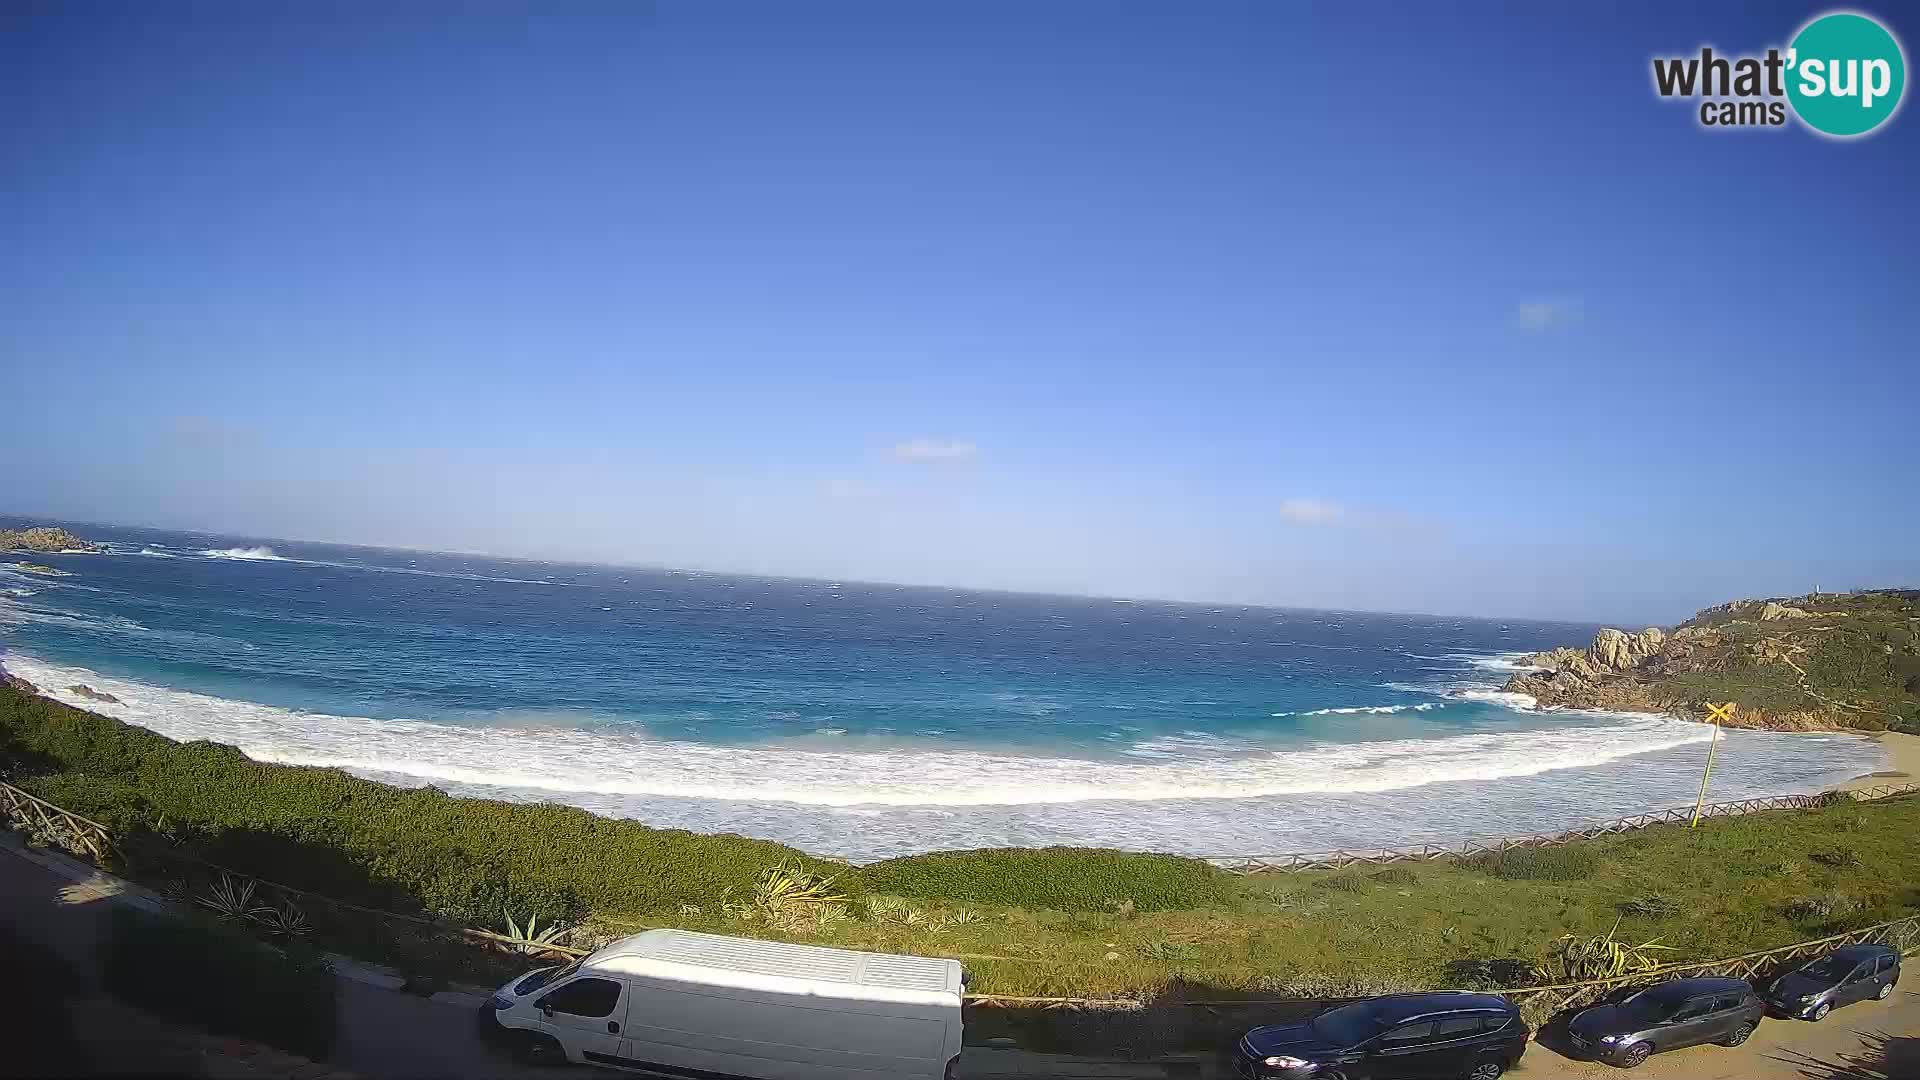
x,y
44,539
1822,662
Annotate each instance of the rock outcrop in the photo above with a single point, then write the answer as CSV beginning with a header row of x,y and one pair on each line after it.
x,y
8,678
45,539
88,692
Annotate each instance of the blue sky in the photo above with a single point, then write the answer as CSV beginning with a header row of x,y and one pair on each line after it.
x,y
1397,307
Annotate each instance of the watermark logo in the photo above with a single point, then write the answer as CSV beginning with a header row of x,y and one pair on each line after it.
x,y
1843,75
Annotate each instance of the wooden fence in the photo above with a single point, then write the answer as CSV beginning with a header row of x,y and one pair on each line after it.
x,y
39,818
1340,858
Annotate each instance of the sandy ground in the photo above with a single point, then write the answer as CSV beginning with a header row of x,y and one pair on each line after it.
x,y
1903,763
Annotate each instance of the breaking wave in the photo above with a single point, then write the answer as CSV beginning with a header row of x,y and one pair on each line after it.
x,y
559,763
252,554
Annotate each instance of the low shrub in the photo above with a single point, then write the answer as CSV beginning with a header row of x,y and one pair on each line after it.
x,y
220,980
1396,874
1344,882
1819,908
1653,905
1837,857
1067,879
1564,863
473,860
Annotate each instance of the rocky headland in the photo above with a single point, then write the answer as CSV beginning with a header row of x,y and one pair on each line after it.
x,y
1847,661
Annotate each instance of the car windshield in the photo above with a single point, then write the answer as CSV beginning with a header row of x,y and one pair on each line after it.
x,y
1827,968
1347,1025
538,979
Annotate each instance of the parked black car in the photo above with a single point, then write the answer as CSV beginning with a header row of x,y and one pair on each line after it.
x,y
1685,1012
1458,1036
1842,977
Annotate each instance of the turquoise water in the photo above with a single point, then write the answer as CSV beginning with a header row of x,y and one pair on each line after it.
x,y
863,720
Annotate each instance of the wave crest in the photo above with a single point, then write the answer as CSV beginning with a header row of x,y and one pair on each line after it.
x,y
257,554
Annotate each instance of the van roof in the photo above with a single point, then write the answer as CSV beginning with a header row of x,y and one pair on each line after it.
x,y
781,960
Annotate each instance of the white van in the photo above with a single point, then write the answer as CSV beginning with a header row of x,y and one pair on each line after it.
x,y
678,1004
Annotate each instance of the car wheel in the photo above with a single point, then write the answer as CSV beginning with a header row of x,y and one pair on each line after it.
x,y
1737,1035
1821,1012
1486,1070
1886,990
533,1049
1636,1055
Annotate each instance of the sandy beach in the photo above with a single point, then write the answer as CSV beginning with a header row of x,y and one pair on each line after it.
x,y
1903,763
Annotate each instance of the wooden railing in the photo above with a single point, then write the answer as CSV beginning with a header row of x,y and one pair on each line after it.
x,y
1344,857
39,818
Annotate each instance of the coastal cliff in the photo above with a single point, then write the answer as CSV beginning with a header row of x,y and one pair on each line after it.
x,y
1824,662
45,540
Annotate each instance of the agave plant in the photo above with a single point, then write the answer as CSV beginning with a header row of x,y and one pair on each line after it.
x,y
284,919
790,895
230,898
530,938
1579,959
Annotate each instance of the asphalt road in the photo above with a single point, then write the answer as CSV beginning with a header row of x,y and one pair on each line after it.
x,y
386,1033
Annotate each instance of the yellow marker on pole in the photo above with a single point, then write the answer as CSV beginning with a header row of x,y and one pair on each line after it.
x,y
1718,714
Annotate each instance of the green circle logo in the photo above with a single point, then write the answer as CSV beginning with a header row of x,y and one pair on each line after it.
x,y
1845,74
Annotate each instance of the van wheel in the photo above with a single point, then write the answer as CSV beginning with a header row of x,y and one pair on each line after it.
x,y
1486,1070
1636,1055
1821,1012
534,1049
1737,1035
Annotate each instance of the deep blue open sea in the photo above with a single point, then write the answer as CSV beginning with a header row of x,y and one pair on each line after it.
x,y
855,719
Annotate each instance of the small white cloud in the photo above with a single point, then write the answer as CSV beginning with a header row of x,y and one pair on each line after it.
x,y
935,451
1313,513
1538,316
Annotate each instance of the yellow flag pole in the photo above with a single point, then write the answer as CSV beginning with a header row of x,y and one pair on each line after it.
x,y
1713,746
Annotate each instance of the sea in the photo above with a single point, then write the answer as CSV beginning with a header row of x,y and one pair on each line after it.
x,y
860,720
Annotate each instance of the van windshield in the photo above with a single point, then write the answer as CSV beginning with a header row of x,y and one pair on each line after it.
x,y
538,979
1348,1025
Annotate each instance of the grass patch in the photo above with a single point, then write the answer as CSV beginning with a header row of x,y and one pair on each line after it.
x,y
1564,863
1062,878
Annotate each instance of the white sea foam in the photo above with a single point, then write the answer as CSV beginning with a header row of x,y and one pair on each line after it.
x,y
570,764
1503,698
251,554
156,553
1382,709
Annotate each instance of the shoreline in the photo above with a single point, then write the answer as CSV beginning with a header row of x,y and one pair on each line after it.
x,y
1903,762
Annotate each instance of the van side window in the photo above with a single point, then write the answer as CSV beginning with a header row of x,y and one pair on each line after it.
x,y
1457,1027
1408,1034
584,997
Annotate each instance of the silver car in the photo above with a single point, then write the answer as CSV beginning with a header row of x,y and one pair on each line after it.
x,y
1842,977
1685,1012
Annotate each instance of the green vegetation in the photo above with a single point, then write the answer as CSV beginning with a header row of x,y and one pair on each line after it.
x,y
1563,863
1854,657
1060,921
221,980
1067,879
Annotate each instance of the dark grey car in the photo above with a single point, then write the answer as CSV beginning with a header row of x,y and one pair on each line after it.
x,y
1685,1012
1842,977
